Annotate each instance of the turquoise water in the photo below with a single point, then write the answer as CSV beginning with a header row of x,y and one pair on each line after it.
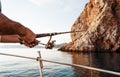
x,y
17,67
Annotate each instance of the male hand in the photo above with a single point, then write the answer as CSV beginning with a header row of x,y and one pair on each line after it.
x,y
29,39
30,44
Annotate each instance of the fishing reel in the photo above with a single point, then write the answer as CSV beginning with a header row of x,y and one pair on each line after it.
x,y
50,44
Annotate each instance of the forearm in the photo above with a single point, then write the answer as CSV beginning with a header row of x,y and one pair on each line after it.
x,y
9,39
9,27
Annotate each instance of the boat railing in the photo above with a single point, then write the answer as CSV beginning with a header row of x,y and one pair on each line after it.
x,y
40,60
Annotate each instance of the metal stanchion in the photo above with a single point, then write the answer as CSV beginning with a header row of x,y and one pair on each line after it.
x,y
40,63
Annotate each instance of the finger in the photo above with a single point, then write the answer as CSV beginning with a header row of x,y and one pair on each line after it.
x,y
32,44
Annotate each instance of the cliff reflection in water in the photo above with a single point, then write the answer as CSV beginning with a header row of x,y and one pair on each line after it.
x,y
107,61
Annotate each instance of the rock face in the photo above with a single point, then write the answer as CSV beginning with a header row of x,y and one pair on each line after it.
x,y
100,26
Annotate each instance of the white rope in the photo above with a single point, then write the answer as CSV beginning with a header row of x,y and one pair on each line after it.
x,y
18,56
76,65
86,67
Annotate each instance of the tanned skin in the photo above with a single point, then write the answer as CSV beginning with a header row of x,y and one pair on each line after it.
x,y
11,31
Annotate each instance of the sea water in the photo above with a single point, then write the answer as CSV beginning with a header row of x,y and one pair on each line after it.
x,y
19,67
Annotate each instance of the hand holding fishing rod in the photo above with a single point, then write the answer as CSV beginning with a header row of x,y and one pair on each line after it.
x,y
50,44
11,30
17,39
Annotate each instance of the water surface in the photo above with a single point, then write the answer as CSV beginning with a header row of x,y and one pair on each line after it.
x,y
17,67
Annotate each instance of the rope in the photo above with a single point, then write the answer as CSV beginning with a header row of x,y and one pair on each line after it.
x,y
86,67
75,65
18,56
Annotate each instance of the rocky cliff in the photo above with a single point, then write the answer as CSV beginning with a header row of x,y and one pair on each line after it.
x,y
100,26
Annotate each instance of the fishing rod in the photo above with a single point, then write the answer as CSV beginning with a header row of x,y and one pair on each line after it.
x,y
53,34
50,44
